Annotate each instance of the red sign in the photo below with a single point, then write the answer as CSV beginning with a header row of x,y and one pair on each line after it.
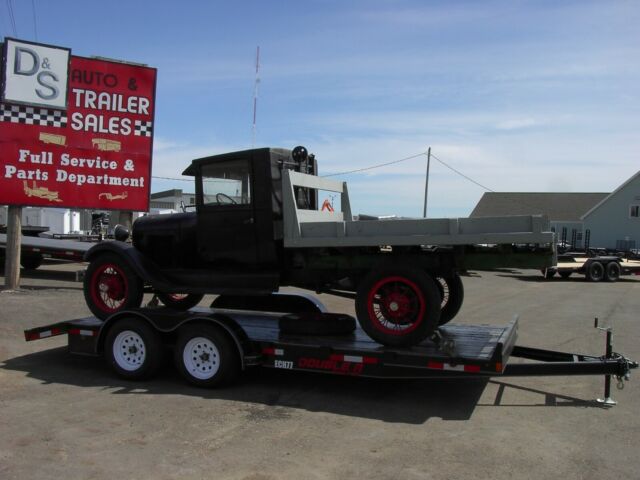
x,y
96,154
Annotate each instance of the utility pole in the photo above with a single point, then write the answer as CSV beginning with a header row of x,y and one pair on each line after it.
x,y
12,253
426,183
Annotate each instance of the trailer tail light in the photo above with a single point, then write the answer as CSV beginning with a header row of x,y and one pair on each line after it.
x,y
499,367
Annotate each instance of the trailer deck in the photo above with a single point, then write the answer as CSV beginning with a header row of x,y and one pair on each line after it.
x,y
72,250
463,351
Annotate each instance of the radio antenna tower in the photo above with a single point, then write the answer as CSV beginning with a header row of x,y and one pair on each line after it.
x,y
255,97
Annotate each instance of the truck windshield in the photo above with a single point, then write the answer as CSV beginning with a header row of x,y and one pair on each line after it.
x,y
226,183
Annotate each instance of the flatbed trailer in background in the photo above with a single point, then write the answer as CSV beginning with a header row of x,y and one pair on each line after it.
x,y
594,268
212,346
35,249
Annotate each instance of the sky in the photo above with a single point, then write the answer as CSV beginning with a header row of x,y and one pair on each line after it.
x,y
518,96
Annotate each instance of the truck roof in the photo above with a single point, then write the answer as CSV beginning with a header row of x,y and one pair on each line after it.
x,y
192,169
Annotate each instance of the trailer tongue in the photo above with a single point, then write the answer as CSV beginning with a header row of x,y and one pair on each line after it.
x,y
212,345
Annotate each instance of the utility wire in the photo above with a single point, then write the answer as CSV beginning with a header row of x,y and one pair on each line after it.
x,y
375,166
461,174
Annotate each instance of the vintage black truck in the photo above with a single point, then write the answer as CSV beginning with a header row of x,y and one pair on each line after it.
x,y
257,226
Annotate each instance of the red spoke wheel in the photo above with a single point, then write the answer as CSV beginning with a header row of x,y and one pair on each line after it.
x,y
452,294
110,285
398,306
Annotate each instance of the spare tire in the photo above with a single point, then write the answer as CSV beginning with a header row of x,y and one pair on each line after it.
x,y
317,324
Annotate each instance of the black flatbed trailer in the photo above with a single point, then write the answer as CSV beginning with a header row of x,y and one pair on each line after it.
x,y
459,351
35,249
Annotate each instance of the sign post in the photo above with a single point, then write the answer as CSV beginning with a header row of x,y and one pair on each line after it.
x,y
75,132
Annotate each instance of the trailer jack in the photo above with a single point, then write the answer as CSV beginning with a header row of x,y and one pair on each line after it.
x,y
625,364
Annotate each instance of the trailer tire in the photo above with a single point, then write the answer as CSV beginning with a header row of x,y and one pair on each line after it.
x,y
205,356
565,274
595,272
452,293
612,272
31,261
548,273
317,324
179,301
398,306
111,285
133,349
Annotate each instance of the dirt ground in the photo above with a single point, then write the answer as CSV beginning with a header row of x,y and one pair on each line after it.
x,y
70,417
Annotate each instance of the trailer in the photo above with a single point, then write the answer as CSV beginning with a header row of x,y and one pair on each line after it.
x,y
212,346
35,249
595,268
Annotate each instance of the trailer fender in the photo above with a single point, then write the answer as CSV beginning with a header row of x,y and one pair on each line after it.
x,y
227,325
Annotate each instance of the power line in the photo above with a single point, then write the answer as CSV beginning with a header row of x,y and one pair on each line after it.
x,y
461,174
376,166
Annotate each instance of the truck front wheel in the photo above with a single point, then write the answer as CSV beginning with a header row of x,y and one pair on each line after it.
x,y
398,306
110,285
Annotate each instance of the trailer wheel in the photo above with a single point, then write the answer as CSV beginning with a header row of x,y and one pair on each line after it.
x,y
179,301
205,356
31,261
548,273
613,271
398,306
452,293
595,272
110,285
133,349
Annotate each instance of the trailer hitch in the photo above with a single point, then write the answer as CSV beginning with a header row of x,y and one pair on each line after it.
x,y
625,365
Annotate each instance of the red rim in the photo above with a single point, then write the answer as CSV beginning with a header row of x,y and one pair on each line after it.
x,y
396,306
109,287
176,297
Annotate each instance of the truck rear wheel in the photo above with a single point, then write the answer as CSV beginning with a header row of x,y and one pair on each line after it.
x,y
612,272
205,356
180,301
133,349
110,285
452,293
398,306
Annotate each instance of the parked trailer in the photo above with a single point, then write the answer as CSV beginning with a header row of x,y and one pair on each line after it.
x,y
594,268
211,346
35,249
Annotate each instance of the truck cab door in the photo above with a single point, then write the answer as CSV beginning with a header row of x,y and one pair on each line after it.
x,y
226,218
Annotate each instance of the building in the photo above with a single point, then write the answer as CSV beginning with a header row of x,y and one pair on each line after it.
x,y
609,220
170,200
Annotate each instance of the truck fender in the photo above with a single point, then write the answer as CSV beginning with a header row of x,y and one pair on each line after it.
x,y
140,265
227,325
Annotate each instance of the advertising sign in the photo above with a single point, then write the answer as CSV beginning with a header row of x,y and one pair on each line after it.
x,y
75,132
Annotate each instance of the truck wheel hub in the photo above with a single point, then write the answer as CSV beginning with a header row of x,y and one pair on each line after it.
x,y
112,286
397,305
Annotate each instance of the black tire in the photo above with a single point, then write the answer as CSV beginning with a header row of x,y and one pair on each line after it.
x,y
565,274
180,302
111,285
613,272
452,293
133,349
205,356
31,261
398,306
317,324
595,272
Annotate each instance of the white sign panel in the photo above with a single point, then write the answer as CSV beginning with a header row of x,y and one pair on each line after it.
x,y
35,74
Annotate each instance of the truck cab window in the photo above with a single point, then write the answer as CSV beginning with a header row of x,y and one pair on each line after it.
x,y
226,183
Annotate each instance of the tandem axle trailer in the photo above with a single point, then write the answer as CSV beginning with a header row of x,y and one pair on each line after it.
x,y
211,346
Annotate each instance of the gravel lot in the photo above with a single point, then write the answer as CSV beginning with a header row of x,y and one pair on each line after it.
x,y
70,417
